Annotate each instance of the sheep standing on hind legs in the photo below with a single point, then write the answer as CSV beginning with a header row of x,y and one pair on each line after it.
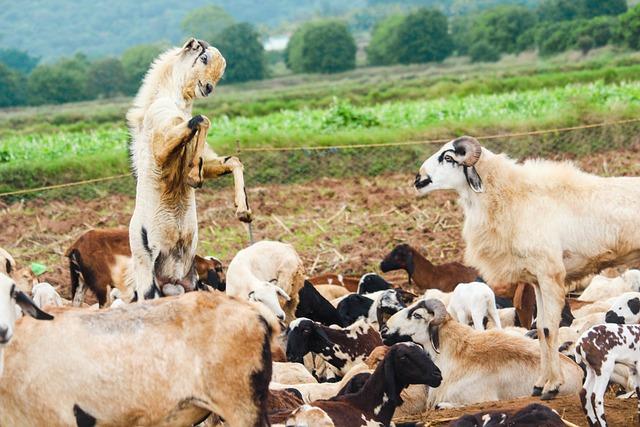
x,y
540,222
171,158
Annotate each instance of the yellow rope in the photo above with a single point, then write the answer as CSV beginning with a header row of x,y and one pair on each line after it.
x,y
336,147
69,184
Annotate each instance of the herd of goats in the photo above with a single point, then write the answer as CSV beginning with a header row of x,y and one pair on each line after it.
x,y
178,340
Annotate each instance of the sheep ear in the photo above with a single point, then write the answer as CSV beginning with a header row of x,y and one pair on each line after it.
x,y
434,336
473,179
29,307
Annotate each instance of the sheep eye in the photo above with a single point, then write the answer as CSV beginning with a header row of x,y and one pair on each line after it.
x,y
416,316
204,59
449,159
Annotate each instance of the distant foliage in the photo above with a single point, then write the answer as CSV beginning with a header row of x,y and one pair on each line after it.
x,y
421,36
106,78
241,47
630,28
18,60
483,51
343,114
592,8
321,47
381,49
136,61
64,81
206,23
11,83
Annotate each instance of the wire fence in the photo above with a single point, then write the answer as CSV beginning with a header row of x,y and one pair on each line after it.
x,y
298,163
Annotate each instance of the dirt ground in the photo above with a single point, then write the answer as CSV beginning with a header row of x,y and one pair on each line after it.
x,y
619,413
341,226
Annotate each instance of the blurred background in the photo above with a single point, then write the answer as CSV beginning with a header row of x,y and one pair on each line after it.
x,y
332,105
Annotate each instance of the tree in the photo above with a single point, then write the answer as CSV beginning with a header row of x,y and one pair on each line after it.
x,y
423,36
321,47
501,26
206,23
106,78
483,51
559,10
555,38
601,30
591,8
136,61
10,87
381,48
585,44
241,47
64,81
18,60
630,27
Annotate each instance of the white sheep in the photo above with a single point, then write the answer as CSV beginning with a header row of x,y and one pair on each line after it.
x,y
265,271
177,360
539,222
291,373
602,287
44,294
10,298
473,302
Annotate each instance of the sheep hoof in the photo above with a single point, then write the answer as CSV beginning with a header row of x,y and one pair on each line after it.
x,y
549,395
244,216
537,391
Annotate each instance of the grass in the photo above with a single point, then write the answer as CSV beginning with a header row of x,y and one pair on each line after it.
x,y
43,146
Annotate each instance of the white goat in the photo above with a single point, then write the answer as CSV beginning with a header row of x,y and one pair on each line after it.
x,y
473,302
265,271
203,352
540,222
477,366
43,294
602,287
10,296
625,309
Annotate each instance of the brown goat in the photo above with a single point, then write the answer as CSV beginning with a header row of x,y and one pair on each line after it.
x,y
99,259
425,274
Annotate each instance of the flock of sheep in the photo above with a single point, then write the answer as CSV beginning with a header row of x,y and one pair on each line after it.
x,y
177,340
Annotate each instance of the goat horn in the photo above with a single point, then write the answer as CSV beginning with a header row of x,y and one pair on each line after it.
x,y
437,308
468,148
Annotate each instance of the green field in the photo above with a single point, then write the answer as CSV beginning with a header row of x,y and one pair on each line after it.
x,y
49,145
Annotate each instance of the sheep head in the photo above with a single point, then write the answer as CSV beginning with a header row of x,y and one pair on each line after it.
x,y
452,167
268,294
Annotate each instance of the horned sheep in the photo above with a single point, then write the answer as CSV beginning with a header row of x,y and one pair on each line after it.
x,y
193,364
540,222
477,366
265,272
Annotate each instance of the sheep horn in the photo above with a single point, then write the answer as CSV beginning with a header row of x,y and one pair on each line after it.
x,y
468,148
437,308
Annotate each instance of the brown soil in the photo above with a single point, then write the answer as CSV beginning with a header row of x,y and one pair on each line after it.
x,y
342,226
619,413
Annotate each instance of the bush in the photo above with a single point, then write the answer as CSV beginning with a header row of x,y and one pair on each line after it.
x,y
10,87
423,36
585,44
106,78
241,47
381,49
601,30
630,28
555,38
321,47
484,52
18,60
64,81
136,61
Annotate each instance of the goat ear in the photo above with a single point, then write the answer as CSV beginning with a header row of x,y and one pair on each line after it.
x,y
323,335
283,293
473,179
191,44
391,381
29,307
9,267
434,336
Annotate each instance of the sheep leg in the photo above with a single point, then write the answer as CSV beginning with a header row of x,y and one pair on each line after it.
x,y
599,388
551,292
78,298
586,396
636,381
166,141
493,314
478,320
215,166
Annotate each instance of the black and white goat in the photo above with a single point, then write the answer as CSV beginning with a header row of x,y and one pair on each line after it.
x,y
314,306
376,401
339,347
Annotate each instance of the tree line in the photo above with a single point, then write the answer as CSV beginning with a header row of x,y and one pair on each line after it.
x,y
328,46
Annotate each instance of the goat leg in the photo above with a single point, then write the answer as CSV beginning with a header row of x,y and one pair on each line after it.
x,y
215,166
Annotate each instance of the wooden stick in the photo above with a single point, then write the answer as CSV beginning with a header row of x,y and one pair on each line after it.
x,y
281,224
